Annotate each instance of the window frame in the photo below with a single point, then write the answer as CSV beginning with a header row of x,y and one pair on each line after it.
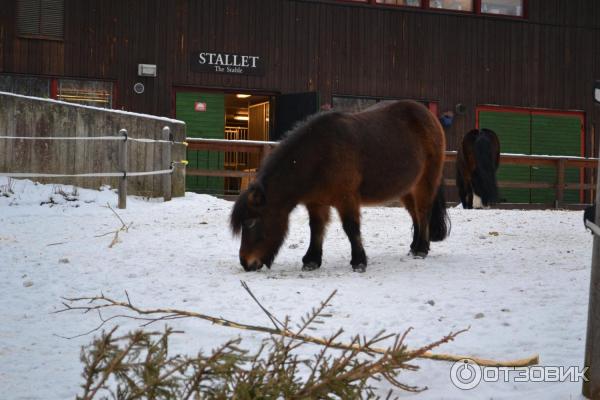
x,y
426,6
53,88
432,105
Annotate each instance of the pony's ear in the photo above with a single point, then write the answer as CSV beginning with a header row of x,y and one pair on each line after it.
x,y
256,196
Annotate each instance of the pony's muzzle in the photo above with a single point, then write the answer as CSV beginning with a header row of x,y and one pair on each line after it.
x,y
252,265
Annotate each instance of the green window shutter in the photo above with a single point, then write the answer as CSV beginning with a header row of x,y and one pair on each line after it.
x,y
204,124
513,130
555,135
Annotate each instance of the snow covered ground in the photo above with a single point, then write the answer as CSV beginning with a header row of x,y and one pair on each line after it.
x,y
519,279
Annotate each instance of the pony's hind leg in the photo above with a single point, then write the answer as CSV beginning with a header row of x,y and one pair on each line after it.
x,y
465,191
462,190
350,216
420,243
319,217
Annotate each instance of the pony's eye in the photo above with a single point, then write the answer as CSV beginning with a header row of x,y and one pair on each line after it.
x,y
251,223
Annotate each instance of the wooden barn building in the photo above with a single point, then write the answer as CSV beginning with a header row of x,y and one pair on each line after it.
x,y
248,69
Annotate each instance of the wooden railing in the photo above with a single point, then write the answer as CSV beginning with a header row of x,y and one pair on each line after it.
x,y
239,146
560,163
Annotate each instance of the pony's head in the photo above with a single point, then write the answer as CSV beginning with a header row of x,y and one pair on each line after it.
x,y
263,228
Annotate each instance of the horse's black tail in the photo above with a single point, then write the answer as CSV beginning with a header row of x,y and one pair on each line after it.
x,y
484,177
439,221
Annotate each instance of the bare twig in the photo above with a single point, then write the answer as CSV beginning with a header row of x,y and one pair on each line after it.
x,y
118,216
55,244
124,228
278,324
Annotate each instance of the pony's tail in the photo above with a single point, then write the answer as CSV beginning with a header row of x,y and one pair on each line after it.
x,y
439,221
484,178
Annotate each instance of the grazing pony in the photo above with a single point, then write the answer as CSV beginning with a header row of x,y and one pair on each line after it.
x,y
393,150
476,165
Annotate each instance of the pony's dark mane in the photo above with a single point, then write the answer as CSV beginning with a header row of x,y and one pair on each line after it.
x,y
238,214
273,163
290,141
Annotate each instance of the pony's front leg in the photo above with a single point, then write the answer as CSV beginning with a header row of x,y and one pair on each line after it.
x,y
319,217
350,217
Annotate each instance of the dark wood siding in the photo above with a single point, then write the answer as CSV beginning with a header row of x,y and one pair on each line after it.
x,y
549,60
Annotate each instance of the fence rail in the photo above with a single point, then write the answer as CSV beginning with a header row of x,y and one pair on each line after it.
x,y
560,163
123,138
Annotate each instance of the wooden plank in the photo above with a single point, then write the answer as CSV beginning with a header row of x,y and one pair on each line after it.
x,y
224,147
584,186
518,185
218,173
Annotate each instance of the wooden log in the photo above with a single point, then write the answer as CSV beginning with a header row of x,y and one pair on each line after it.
x,y
178,151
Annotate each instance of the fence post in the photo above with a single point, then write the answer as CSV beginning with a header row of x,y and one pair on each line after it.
x,y
123,167
166,162
560,183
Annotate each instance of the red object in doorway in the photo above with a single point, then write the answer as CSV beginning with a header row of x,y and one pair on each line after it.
x,y
199,107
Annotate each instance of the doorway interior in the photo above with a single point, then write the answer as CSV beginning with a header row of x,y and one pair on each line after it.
x,y
223,115
247,117
235,115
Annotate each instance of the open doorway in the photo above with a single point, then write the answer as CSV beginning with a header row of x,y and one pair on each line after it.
x,y
247,117
235,115
219,115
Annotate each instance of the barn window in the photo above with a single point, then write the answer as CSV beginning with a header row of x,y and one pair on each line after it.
x,y
42,19
91,93
457,5
503,7
352,104
358,103
409,3
25,85
511,8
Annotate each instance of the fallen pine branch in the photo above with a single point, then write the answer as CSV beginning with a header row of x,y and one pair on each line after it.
x,y
150,316
138,366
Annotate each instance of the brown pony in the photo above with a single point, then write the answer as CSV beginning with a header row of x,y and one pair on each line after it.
x,y
389,151
477,161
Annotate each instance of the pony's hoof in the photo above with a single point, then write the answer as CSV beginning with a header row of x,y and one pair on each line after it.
x,y
418,254
359,268
311,266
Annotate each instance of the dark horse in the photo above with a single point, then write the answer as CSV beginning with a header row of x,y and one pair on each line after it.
x,y
476,165
391,150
